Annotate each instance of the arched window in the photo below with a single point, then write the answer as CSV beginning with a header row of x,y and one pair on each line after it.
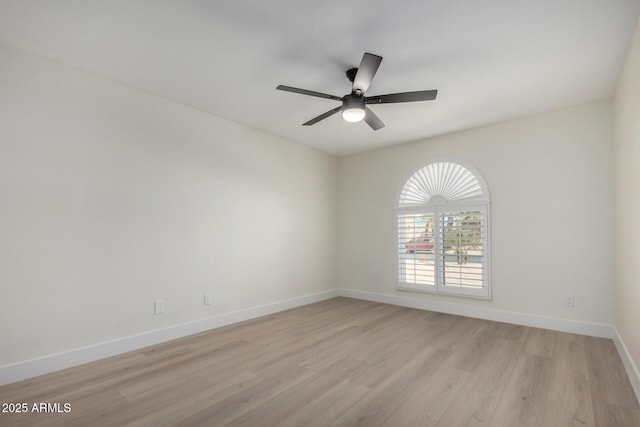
x,y
442,231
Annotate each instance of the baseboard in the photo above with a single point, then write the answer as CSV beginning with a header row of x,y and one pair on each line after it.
x,y
55,362
632,369
556,324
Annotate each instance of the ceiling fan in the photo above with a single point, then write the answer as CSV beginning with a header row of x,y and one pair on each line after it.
x,y
354,105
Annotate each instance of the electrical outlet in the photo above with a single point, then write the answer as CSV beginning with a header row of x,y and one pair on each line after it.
x,y
568,301
206,299
158,306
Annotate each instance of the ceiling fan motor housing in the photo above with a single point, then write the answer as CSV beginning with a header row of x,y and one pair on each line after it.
x,y
353,101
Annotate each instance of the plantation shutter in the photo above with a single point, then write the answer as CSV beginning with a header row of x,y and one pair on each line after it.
x,y
442,232
462,243
415,242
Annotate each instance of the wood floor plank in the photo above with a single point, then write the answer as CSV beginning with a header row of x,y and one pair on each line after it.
x,y
607,375
540,342
273,411
522,402
568,398
478,400
327,407
391,384
508,331
224,411
610,414
182,407
473,351
346,362
456,332
155,401
428,400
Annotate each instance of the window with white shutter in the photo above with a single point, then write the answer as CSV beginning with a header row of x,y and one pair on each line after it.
x,y
442,231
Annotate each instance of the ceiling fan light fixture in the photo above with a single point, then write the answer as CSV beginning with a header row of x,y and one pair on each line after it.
x,y
353,108
353,115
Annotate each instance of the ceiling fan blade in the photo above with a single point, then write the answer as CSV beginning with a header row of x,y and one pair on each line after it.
x,y
367,69
322,116
308,92
372,120
422,95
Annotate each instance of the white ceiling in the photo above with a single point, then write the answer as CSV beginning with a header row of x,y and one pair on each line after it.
x,y
491,60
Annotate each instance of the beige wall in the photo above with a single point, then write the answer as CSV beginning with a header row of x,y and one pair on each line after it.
x,y
111,198
550,181
627,202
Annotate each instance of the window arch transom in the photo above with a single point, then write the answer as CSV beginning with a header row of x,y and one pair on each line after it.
x,y
441,182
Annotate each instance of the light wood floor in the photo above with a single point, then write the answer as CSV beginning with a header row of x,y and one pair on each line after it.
x,y
345,362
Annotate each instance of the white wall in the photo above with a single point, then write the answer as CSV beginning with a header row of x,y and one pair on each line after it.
x,y
550,181
111,198
627,205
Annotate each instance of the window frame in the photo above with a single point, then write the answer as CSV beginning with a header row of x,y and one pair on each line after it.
x,y
435,206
